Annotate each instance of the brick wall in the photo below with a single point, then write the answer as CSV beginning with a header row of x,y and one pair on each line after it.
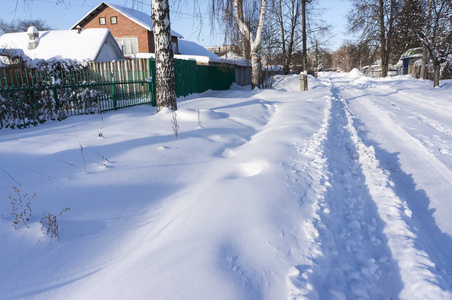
x,y
124,28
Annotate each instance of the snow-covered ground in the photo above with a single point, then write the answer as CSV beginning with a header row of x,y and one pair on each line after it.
x,y
341,192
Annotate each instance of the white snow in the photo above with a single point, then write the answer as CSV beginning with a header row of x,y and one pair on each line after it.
x,y
192,48
340,192
60,44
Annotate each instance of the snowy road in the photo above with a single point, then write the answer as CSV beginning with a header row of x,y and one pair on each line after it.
x,y
340,192
374,227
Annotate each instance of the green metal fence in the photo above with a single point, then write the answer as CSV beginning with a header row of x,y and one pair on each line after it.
x,y
29,97
192,78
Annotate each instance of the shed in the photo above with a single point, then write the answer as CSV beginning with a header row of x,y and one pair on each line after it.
x,y
408,59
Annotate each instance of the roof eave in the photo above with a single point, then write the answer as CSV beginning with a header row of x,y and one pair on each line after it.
x,y
88,14
147,27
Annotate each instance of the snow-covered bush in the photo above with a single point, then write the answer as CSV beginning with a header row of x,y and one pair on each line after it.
x,y
445,70
44,90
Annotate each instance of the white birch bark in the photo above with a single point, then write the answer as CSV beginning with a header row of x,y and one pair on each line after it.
x,y
254,40
164,57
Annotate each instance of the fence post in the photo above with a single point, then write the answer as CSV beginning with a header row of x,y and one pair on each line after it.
x,y
151,82
55,94
113,89
303,81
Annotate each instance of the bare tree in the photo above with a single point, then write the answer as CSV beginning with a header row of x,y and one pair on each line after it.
x,y
22,25
251,32
164,57
345,57
374,19
222,13
254,39
350,56
293,24
409,18
287,16
305,35
436,36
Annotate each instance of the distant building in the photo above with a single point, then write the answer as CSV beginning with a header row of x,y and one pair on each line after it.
x,y
222,50
131,28
408,59
97,45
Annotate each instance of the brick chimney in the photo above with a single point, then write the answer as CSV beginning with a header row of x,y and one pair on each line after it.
x,y
33,35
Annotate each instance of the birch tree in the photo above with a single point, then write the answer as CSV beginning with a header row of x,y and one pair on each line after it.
x,y
251,33
254,39
164,56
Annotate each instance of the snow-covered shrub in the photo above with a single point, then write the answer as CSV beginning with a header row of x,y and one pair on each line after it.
x,y
45,90
445,70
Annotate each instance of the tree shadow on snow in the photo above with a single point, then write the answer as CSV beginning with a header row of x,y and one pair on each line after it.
x,y
429,236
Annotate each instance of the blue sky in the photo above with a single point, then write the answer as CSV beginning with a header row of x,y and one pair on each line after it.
x,y
66,14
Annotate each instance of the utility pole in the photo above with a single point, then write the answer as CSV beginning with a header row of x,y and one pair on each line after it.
x,y
303,17
316,59
304,74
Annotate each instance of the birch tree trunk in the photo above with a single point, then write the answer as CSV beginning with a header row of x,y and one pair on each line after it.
x,y
254,40
245,39
164,57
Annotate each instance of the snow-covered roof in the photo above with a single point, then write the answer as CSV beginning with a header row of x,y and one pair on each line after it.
x,y
192,51
60,44
139,17
192,48
411,53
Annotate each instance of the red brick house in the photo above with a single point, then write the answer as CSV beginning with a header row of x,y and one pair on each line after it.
x,y
131,28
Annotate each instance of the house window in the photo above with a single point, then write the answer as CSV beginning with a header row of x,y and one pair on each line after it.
x,y
113,20
102,21
175,50
129,45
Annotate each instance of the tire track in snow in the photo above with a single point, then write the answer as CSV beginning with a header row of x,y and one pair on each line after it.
x,y
429,235
348,253
441,133
362,246
419,276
